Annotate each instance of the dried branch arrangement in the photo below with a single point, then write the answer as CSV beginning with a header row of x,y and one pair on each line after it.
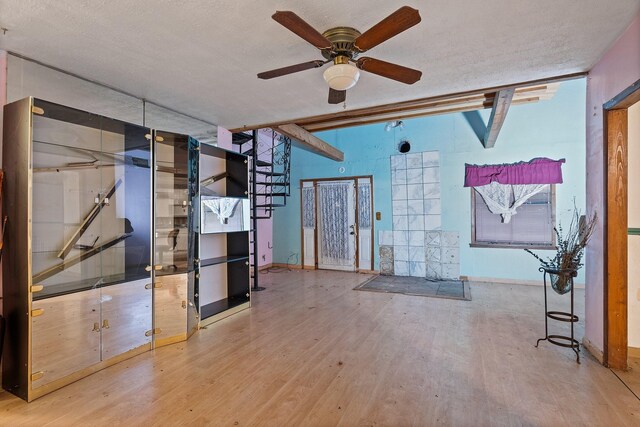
x,y
571,243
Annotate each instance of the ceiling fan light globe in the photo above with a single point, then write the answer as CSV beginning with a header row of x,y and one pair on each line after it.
x,y
341,76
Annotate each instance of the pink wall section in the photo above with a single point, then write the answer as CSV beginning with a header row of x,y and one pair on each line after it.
x,y
224,138
618,69
265,226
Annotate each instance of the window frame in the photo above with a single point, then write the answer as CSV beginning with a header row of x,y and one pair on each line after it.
x,y
504,245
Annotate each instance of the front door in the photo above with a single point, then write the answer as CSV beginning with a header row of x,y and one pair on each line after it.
x,y
337,228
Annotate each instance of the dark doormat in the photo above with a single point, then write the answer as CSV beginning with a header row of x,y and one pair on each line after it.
x,y
418,286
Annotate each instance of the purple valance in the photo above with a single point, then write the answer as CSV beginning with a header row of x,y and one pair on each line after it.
x,y
536,171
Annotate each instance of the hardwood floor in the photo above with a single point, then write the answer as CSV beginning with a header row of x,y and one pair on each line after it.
x,y
314,352
631,377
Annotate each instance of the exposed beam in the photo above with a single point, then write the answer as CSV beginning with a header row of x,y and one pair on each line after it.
x,y
501,104
409,115
483,94
310,141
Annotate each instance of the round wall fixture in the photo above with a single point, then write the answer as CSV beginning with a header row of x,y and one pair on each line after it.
x,y
404,146
342,169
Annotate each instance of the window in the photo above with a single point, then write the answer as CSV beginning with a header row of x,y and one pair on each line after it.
x,y
531,227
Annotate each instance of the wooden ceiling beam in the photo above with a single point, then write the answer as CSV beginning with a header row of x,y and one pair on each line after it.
x,y
310,142
416,103
501,104
381,119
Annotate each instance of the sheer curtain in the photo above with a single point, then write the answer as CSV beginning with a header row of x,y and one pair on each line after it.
x,y
505,199
333,221
364,205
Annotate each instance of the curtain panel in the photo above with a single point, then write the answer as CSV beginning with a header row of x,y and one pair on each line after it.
x,y
333,216
537,171
504,188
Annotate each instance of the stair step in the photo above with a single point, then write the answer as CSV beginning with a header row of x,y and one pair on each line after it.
x,y
240,138
273,195
262,217
262,163
274,184
271,205
249,152
271,173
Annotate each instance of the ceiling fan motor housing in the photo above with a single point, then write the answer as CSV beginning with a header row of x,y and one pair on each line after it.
x,y
342,39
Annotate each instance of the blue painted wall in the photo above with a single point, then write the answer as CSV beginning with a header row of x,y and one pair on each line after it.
x,y
553,128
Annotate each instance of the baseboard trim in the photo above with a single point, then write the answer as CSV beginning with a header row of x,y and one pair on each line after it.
x,y
289,266
595,351
633,352
368,271
511,281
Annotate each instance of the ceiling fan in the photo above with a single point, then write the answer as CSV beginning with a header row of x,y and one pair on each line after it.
x,y
342,45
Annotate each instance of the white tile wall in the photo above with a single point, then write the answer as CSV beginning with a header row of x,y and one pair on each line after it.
x,y
416,238
385,238
415,181
400,268
442,255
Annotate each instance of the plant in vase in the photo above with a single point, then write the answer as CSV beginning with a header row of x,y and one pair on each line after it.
x,y
568,259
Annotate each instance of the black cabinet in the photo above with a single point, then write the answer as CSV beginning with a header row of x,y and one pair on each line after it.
x,y
223,284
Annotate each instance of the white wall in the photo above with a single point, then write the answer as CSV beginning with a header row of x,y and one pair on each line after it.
x,y
634,222
27,78
20,78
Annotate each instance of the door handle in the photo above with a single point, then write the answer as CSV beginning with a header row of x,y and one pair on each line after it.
x,y
96,327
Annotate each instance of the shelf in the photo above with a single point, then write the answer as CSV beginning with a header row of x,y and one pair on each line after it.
x,y
222,260
66,288
241,138
267,173
216,307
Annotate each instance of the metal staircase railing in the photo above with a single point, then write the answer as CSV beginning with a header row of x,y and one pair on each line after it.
x,y
270,184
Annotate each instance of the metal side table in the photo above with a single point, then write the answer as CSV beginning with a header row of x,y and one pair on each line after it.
x,y
560,316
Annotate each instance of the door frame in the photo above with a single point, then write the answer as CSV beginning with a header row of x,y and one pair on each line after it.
x,y
315,182
615,223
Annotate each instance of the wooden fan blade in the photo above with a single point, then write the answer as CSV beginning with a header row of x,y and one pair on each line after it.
x,y
399,21
290,69
389,70
337,96
297,25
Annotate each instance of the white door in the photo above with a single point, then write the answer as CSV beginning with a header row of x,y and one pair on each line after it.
x,y
308,224
365,224
337,232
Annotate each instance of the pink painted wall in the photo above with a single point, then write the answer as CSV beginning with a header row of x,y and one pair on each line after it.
x,y
224,138
265,226
618,69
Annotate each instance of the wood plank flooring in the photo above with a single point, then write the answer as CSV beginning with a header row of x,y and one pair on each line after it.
x,y
631,377
314,352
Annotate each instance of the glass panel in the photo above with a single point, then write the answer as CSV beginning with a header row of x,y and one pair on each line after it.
x,y
364,204
171,203
67,238
126,211
308,207
531,225
126,220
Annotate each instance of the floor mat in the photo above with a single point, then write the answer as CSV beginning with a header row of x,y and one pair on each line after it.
x,y
418,286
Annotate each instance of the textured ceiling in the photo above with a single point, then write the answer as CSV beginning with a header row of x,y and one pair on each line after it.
x,y
201,56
